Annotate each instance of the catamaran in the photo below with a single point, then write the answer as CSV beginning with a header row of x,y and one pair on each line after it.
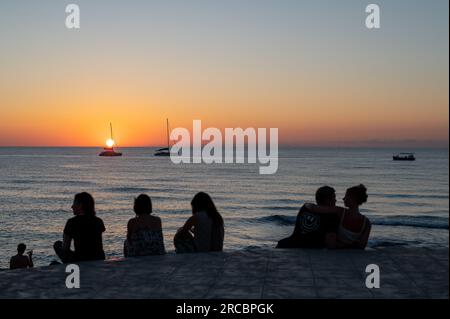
x,y
166,150
109,149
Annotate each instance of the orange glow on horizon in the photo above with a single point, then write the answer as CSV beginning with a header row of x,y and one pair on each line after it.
x,y
320,80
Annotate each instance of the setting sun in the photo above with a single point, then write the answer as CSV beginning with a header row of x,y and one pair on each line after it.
x,y
110,143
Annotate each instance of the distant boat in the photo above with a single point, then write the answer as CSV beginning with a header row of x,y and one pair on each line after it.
x,y
404,157
164,152
109,151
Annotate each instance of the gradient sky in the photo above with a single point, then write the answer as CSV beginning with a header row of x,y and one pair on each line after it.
x,y
310,68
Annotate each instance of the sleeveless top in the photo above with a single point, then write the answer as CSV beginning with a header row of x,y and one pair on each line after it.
x,y
145,243
207,236
347,236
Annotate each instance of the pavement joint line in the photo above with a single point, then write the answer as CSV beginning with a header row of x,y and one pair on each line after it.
x,y
316,289
406,273
268,260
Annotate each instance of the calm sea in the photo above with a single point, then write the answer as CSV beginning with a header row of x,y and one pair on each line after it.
x,y
408,201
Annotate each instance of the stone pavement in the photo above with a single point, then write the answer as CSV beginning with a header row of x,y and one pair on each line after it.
x,y
242,274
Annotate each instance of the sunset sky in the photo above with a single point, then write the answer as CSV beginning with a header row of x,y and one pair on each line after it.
x,y
307,67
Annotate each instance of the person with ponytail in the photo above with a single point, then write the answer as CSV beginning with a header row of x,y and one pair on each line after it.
x,y
354,228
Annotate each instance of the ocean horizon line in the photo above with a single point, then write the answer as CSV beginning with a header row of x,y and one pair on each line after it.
x,y
432,147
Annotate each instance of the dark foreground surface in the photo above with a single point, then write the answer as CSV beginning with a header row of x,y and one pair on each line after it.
x,y
253,274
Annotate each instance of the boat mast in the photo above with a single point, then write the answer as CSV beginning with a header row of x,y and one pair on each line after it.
x,y
110,126
168,141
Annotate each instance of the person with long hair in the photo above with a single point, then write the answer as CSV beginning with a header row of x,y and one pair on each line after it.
x,y
144,232
85,230
354,228
204,230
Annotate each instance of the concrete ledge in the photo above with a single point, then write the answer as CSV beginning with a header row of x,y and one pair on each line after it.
x,y
243,274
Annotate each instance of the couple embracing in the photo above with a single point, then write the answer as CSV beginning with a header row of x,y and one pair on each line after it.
x,y
326,225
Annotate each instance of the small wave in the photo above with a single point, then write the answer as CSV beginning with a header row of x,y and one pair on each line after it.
x,y
384,243
127,190
279,219
252,248
291,208
284,201
148,190
72,183
415,196
432,222
413,204
26,181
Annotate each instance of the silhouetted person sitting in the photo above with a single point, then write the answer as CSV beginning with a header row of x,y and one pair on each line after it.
x,y
144,232
85,229
20,260
354,228
311,229
204,230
